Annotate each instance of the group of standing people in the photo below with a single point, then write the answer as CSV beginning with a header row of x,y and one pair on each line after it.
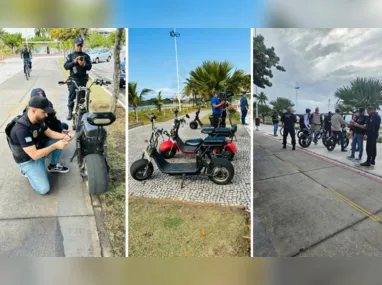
x,y
365,122
219,110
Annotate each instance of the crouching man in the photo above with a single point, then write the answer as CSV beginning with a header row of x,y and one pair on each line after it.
x,y
24,135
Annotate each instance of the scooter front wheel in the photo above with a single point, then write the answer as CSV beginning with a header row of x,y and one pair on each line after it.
x,y
221,171
141,169
169,153
96,176
193,125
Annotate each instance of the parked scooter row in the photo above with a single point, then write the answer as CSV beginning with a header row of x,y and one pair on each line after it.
x,y
189,147
219,170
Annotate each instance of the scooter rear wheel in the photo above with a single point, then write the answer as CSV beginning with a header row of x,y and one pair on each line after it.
x,y
138,169
96,175
221,171
228,154
193,125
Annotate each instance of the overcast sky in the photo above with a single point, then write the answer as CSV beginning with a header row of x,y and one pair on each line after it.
x,y
320,61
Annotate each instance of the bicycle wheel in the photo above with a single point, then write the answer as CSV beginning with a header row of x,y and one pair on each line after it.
x,y
26,70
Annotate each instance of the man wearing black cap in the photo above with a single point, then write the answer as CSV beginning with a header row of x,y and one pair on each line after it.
x,y
289,120
78,63
23,135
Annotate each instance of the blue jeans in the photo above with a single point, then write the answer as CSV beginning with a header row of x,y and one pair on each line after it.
x,y
36,172
275,127
64,126
29,61
341,137
357,140
244,113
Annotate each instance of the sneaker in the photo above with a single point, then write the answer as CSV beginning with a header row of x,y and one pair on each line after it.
x,y
358,159
59,168
284,146
366,163
350,157
23,174
344,150
372,162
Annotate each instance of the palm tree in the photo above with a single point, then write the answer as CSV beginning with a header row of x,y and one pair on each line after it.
x,y
280,104
213,76
136,99
362,92
159,101
191,89
262,98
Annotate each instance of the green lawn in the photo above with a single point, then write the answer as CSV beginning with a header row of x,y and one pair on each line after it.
x,y
167,228
163,116
113,202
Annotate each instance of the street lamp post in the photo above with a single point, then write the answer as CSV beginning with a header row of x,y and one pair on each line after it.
x,y
328,105
175,35
297,87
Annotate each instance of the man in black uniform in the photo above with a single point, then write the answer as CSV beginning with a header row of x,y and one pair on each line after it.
x,y
26,54
78,63
372,133
29,152
289,120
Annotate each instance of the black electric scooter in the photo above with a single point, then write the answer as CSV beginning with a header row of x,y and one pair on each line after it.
x,y
194,124
219,170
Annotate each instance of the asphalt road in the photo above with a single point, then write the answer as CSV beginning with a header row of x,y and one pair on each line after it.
x,y
307,205
105,70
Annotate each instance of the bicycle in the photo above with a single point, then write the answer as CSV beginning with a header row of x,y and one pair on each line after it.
x,y
333,140
27,69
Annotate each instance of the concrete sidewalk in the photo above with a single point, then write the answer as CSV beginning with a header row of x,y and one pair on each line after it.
x,y
308,205
61,223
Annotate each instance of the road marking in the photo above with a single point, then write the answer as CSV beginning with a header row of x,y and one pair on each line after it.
x,y
342,197
356,206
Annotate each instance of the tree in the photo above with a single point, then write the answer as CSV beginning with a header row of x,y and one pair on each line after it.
x,y
263,60
158,101
191,89
13,40
264,110
262,98
214,76
362,92
136,98
280,104
40,32
246,84
97,40
117,69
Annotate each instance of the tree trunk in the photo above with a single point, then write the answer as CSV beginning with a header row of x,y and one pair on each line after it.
x,y
83,35
136,114
117,70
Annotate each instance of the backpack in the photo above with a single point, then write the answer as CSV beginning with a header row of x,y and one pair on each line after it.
x,y
11,124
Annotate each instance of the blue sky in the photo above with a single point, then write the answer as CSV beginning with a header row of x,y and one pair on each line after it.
x,y
152,54
188,14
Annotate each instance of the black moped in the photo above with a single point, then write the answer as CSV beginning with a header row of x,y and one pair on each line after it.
x,y
91,139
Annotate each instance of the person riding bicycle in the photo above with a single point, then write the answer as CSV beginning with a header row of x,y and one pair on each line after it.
x,y
24,135
78,62
338,123
289,120
26,54
316,123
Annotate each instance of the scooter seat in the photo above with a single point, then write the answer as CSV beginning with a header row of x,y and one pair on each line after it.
x,y
194,142
214,141
226,132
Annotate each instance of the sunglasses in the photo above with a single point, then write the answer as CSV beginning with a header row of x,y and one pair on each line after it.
x,y
80,45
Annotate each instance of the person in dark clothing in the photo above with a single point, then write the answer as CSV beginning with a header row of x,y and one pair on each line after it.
x,y
358,133
78,63
289,120
372,133
26,55
216,106
275,121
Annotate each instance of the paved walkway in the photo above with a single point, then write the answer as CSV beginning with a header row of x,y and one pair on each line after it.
x,y
197,188
61,223
309,205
